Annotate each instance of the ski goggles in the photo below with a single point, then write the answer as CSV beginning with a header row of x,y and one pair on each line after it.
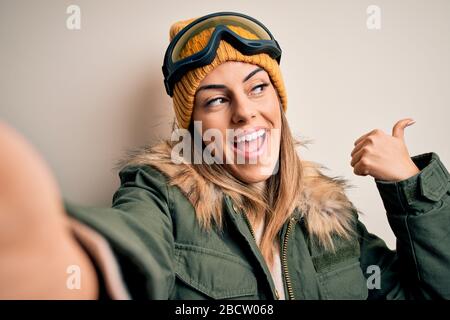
x,y
175,66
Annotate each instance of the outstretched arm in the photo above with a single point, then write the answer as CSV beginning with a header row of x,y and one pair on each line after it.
x,y
36,246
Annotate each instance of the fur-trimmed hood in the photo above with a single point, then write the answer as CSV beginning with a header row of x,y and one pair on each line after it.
x,y
323,202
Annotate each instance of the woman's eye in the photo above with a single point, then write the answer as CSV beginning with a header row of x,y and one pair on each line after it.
x,y
211,102
261,86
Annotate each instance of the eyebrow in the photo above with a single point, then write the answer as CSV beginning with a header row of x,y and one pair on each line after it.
x,y
221,86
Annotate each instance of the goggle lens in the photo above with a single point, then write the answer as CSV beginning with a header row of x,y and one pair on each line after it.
x,y
213,22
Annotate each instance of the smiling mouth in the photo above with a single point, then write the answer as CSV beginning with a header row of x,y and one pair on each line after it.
x,y
251,147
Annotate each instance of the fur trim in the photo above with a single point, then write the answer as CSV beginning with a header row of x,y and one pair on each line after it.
x,y
325,207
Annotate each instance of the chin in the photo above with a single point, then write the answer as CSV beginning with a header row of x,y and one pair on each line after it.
x,y
252,173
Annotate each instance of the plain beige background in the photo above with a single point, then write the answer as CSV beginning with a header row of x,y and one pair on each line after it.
x,y
83,97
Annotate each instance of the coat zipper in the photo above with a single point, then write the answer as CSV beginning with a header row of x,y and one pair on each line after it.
x,y
249,226
284,256
284,261
277,295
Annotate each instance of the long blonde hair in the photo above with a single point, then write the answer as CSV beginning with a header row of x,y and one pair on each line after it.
x,y
297,183
275,204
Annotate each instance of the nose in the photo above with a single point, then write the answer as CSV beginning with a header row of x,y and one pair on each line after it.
x,y
243,109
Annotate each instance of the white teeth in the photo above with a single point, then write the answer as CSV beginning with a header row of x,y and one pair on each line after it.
x,y
251,136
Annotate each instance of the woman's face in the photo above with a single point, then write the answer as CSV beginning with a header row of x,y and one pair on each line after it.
x,y
240,96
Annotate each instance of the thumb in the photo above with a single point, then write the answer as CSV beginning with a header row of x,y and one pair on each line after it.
x,y
399,127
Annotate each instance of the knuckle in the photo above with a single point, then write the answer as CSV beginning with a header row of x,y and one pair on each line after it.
x,y
365,162
366,150
378,132
371,139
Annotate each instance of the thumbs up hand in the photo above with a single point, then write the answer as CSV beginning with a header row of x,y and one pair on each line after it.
x,y
383,156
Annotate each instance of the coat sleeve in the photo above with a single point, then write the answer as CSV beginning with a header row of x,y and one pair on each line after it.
x,y
138,228
418,211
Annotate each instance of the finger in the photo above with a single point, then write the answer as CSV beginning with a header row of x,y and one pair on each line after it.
x,y
363,137
359,146
398,130
361,169
357,157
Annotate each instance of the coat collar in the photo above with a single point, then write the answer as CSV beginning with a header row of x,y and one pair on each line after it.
x,y
323,203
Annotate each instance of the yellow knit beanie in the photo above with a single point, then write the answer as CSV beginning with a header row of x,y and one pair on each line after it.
x,y
184,90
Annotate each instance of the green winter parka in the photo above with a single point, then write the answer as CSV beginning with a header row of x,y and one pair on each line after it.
x,y
163,253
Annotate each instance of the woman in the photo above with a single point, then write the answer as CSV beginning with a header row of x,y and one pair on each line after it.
x,y
227,209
